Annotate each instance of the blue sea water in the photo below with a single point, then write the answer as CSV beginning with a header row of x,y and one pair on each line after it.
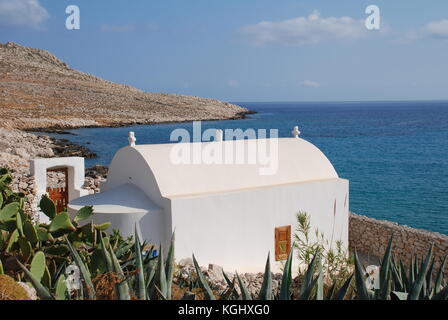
x,y
395,154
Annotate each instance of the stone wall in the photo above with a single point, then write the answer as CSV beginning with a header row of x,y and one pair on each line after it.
x,y
24,183
370,237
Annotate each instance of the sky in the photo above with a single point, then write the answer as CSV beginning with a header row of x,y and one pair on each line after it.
x,y
247,50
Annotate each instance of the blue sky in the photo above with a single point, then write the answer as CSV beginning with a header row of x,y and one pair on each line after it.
x,y
247,50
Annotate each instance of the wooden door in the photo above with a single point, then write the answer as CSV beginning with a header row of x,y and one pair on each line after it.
x,y
282,242
59,195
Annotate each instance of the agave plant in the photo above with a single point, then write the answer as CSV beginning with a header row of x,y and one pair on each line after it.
x,y
397,284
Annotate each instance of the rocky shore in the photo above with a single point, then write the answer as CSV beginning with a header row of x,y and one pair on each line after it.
x,y
18,147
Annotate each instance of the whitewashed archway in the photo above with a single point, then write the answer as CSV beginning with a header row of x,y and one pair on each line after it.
x,y
75,178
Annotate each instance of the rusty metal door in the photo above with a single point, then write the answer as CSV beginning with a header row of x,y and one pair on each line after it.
x,y
59,195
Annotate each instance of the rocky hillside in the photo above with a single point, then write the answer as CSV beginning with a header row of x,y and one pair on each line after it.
x,y
39,91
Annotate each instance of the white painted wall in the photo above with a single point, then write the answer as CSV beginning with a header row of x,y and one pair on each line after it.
x,y
236,229
75,165
129,166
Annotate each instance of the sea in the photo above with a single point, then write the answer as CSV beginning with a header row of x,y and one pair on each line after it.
x,y
395,153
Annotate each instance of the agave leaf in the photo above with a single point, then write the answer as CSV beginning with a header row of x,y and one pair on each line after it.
x,y
404,278
439,278
202,282
169,269
441,295
416,268
42,292
361,290
150,284
1,200
245,294
307,284
428,281
306,295
83,269
160,276
160,293
414,293
120,252
266,287
411,274
229,283
396,276
139,265
61,222
330,293
342,292
106,255
123,287
47,207
398,295
232,286
320,281
385,272
150,275
83,214
230,291
1,267
285,289
9,211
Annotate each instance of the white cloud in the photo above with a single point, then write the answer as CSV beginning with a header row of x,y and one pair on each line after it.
x,y
20,13
117,28
310,84
305,30
433,30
